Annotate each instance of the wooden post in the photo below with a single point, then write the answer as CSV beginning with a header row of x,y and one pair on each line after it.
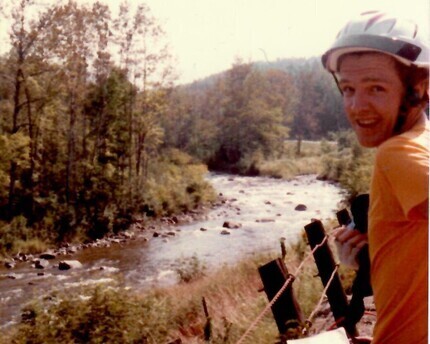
x,y
208,325
326,265
286,310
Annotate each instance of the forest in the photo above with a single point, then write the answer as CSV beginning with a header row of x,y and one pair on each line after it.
x,y
94,128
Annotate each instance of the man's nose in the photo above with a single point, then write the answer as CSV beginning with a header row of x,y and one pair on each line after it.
x,y
359,101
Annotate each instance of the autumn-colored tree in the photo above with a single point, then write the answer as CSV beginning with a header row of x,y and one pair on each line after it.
x,y
80,126
145,59
23,72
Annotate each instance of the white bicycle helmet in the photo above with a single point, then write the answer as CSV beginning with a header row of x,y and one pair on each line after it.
x,y
380,32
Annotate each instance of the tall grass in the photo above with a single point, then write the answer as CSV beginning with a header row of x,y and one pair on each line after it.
x,y
340,160
293,163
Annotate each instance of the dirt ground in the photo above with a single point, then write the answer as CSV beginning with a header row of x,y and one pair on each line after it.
x,y
324,319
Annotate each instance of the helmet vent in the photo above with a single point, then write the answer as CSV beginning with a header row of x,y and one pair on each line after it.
x,y
392,26
368,12
373,21
415,31
345,30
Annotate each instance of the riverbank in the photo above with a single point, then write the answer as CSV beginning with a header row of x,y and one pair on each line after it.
x,y
264,209
111,313
141,227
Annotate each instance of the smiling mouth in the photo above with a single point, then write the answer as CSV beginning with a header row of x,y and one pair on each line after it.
x,y
367,123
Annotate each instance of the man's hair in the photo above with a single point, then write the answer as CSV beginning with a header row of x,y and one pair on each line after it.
x,y
409,75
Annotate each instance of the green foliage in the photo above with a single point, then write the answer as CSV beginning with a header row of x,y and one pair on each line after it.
x,y
98,315
13,148
252,123
235,120
181,186
16,237
290,164
80,129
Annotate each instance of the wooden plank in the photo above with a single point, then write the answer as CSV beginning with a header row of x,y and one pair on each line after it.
x,y
286,310
326,265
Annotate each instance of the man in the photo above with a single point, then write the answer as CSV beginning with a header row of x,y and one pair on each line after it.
x,y
381,67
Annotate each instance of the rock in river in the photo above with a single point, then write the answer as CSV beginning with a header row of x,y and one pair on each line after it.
x,y
9,264
231,225
41,263
301,207
69,264
47,255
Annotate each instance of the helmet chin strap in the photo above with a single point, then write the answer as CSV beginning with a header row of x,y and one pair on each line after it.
x,y
401,119
337,82
412,99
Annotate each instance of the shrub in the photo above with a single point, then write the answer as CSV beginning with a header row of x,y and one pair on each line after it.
x,y
99,315
350,164
178,188
190,269
17,237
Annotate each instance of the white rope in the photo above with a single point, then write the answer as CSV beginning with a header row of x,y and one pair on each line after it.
x,y
279,293
323,294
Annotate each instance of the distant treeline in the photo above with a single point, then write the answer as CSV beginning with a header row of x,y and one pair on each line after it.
x,y
233,119
93,130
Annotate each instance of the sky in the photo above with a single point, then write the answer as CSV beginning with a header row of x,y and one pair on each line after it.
x,y
207,36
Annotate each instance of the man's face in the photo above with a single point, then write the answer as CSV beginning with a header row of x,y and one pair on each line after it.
x,y
372,94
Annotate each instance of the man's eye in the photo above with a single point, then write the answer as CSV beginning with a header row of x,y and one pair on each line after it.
x,y
377,88
346,90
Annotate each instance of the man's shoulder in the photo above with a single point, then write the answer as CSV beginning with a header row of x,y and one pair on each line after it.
x,y
418,136
412,145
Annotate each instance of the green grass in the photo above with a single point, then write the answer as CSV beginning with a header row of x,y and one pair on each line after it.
x,y
291,164
342,161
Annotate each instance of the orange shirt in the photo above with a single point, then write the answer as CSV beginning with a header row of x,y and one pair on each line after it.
x,y
398,242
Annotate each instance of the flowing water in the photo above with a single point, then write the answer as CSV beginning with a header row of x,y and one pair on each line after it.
x,y
263,207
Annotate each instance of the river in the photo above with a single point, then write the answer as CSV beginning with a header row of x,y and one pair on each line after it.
x,y
263,207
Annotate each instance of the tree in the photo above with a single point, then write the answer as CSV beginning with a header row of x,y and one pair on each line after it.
x,y
252,118
144,58
319,105
24,69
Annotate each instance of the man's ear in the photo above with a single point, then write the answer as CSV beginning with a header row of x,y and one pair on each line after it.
x,y
418,95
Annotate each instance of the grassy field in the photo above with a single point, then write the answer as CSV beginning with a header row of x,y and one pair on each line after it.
x,y
292,163
342,161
